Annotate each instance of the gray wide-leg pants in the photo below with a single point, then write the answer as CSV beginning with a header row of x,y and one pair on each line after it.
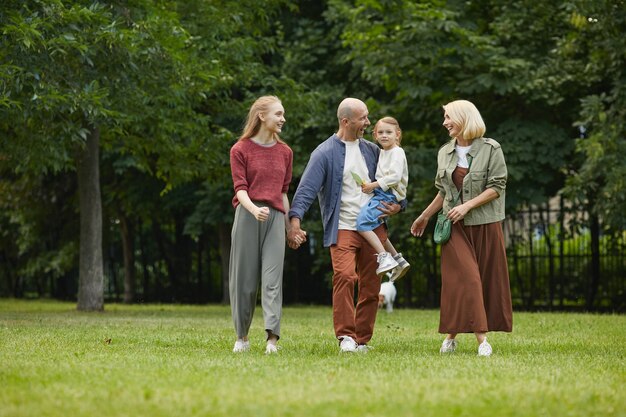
x,y
257,251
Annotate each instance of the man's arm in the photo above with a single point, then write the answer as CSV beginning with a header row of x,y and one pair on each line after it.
x,y
310,184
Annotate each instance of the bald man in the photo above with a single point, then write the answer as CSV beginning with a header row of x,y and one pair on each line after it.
x,y
328,176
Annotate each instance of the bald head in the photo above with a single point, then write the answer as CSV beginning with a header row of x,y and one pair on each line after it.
x,y
352,116
347,108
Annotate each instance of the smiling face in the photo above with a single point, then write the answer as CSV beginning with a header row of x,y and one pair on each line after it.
x,y
358,122
274,119
386,134
454,129
352,115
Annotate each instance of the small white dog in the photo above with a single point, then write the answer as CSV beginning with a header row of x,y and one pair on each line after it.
x,y
387,296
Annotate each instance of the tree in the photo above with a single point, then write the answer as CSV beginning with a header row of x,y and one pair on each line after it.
x,y
75,76
592,53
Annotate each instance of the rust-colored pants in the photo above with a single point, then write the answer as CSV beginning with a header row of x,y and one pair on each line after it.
x,y
354,263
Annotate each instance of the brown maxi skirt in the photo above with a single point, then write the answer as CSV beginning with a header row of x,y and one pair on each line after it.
x,y
475,289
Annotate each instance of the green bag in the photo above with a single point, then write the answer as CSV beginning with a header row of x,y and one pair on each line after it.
x,y
443,227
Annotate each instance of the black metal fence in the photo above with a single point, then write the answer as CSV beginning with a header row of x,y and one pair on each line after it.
x,y
559,259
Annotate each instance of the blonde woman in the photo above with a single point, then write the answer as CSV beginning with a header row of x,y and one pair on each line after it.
x,y
261,166
475,292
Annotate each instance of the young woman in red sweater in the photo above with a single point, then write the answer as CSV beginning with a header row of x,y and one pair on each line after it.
x,y
261,165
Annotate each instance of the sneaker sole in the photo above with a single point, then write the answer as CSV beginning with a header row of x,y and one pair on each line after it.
x,y
402,273
381,272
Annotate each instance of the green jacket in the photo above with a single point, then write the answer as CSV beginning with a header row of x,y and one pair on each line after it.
x,y
488,170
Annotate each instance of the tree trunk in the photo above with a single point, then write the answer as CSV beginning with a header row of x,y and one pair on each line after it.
x,y
128,246
165,250
91,275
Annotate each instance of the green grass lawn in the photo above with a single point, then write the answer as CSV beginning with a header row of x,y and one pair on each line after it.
x,y
163,360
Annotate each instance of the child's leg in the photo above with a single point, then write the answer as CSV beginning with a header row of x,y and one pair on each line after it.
x,y
373,240
389,247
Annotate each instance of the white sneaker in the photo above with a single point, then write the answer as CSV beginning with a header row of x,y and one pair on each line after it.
x,y
400,270
271,349
385,263
448,346
484,349
363,348
241,346
347,344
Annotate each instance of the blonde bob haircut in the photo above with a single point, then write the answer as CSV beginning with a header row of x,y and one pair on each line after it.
x,y
390,121
253,122
466,115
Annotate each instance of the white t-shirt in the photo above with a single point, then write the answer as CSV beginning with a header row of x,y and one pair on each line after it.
x,y
352,197
461,152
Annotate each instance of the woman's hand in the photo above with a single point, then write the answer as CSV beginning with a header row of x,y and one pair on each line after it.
x,y
261,213
296,237
419,225
458,213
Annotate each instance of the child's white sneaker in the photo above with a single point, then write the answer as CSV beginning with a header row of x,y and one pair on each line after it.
x,y
385,263
400,270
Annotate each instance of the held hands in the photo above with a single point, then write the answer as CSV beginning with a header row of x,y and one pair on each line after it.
x,y
261,213
296,237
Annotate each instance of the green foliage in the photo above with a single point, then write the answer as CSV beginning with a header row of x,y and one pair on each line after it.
x,y
168,84
38,253
533,151
122,67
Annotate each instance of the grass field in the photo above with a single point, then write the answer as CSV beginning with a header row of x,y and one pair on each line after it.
x,y
163,360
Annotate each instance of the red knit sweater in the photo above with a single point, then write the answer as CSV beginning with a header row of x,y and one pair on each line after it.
x,y
264,172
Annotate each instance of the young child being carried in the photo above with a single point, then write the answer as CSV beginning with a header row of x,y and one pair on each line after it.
x,y
392,175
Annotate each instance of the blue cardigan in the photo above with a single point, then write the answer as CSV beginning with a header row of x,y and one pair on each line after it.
x,y
323,178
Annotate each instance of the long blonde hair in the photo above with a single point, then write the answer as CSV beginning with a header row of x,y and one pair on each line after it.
x,y
466,115
253,121
391,121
